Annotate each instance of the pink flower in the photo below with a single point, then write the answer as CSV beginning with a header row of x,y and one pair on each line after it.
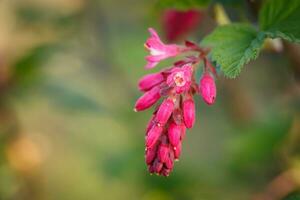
x,y
165,111
181,78
174,133
153,136
183,131
163,152
180,23
207,88
158,50
166,129
157,166
150,124
150,80
189,112
150,155
177,150
148,99
170,160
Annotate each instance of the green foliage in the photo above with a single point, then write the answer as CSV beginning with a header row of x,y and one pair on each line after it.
x,y
70,99
293,196
233,46
183,4
257,145
33,15
26,68
280,18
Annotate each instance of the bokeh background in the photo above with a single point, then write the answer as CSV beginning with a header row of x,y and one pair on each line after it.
x,y
68,76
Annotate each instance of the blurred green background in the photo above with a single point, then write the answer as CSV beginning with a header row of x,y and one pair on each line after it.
x,y
68,76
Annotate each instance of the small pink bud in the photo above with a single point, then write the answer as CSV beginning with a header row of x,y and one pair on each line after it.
x,y
177,151
183,132
208,89
150,155
189,112
174,133
150,80
151,169
153,136
163,151
148,99
157,166
150,124
164,112
165,171
170,160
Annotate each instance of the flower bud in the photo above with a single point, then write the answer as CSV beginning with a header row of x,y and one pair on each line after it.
x,y
148,99
165,171
149,81
163,151
183,132
189,112
174,133
150,155
151,169
150,124
177,151
170,160
164,112
208,89
153,136
157,165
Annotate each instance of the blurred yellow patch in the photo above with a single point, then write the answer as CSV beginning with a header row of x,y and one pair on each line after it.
x,y
23,155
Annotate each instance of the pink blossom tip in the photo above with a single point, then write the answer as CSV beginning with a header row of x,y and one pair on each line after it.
x,y
149,81
148,99
174,133
165,111
207,88
189,112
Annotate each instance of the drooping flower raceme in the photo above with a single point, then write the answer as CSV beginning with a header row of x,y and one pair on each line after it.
x,y
176,86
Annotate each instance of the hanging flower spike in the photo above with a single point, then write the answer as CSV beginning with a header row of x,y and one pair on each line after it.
x,y
176,85
158,50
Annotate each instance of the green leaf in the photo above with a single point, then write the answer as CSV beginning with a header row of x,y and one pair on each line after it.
x,y
182,4
233,46
280,18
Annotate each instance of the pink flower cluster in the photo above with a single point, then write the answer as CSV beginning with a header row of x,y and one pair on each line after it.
x,y
177,86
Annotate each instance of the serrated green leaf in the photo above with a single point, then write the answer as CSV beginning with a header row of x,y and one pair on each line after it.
x,y
182,4
233,46
279,18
